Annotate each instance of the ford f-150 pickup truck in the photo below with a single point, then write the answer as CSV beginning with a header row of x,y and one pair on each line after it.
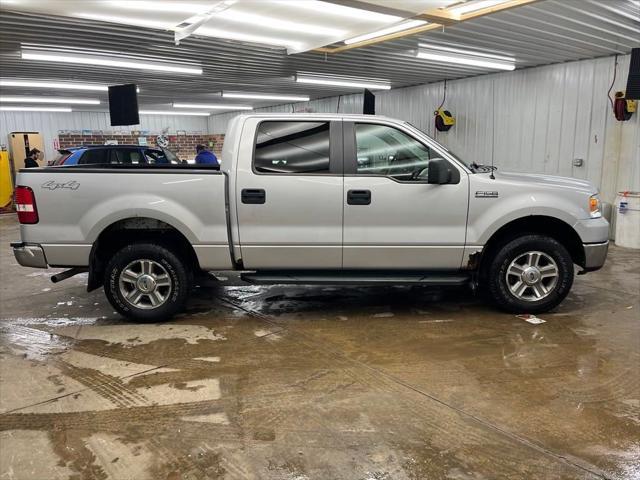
x,y
312,199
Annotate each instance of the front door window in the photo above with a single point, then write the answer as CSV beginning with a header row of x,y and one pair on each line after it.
x,y
386,151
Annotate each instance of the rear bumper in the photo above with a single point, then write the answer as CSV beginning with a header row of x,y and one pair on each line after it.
x,y
29,255
595,255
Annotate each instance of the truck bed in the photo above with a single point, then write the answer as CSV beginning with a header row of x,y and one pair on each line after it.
x,y
76,204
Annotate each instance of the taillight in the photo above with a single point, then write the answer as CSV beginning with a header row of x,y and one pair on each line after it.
x,y
26,205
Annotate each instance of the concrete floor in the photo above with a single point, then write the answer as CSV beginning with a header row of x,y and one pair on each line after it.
x,y
319,383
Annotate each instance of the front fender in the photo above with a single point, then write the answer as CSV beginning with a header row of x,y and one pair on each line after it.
x,y
487,216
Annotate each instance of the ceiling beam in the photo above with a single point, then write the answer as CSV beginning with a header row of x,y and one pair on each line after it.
x,y
391,36
438,18
372,7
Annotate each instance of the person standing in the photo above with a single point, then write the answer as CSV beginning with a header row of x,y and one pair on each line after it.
x,y
31,160
205,156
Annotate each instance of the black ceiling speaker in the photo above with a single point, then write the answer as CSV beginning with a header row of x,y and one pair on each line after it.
x,y
123,105
633,81
369,104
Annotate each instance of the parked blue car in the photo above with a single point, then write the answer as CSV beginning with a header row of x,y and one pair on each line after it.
x,y
114,154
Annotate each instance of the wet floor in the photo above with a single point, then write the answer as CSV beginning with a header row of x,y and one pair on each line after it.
x,y
301,383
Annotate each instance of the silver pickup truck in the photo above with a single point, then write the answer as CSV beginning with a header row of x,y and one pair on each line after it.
x,y
312,199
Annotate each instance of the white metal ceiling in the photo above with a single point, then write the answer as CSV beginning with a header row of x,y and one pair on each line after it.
x,y
548,31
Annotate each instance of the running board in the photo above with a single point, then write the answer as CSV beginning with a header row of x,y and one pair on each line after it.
x,y
439,279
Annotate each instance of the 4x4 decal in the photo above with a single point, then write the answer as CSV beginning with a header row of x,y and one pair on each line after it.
x,y
51,185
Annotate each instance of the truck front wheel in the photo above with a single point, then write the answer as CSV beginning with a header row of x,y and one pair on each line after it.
x,y
146,282
529,274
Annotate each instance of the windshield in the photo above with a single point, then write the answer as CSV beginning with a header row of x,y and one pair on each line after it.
x,y
456,157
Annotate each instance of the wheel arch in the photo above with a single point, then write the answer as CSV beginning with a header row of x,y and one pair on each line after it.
x,y
553,227
136,230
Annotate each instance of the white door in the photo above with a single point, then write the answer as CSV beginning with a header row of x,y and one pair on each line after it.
x,y
289,201
393,218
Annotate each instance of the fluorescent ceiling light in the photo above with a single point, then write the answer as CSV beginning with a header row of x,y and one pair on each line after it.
x,y
277,24
79,101
342,82
202,31
52,56
465,57
54,85
475,62
474,6
248,37
386,31
429,46
166,112
141,22
213,106
266,96
326,8
177,7
35,109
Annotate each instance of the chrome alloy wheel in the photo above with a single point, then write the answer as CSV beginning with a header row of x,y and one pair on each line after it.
x,y
532,276
145,284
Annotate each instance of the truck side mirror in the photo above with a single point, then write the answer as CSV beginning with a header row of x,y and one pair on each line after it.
x,y
439,172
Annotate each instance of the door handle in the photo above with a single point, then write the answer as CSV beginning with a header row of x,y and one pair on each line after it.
x,y
359,197
253,196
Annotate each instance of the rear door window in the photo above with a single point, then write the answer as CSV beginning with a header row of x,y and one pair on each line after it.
x,y
94,155
292,148
126,156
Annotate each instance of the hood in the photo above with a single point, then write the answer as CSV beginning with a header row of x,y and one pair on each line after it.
x,y
543,180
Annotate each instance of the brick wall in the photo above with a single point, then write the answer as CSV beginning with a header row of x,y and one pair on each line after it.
x,y
182,145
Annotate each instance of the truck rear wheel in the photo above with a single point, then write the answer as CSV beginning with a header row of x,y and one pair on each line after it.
x,y
146,282
529,274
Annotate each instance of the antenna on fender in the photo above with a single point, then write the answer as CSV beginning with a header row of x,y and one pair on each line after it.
x,y
493,169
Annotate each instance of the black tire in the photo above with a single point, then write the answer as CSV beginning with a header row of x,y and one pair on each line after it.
x,y
497,285
166,265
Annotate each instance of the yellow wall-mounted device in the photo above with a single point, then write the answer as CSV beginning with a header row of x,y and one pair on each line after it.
x,y
623,108
444,120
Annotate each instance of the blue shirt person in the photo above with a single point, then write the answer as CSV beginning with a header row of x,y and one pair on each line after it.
x,y
205,156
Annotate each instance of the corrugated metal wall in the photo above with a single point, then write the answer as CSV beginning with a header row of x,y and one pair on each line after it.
x,y
531,120
48,123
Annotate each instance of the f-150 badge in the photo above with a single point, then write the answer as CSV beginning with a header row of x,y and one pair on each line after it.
x,y
481,194
51,185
